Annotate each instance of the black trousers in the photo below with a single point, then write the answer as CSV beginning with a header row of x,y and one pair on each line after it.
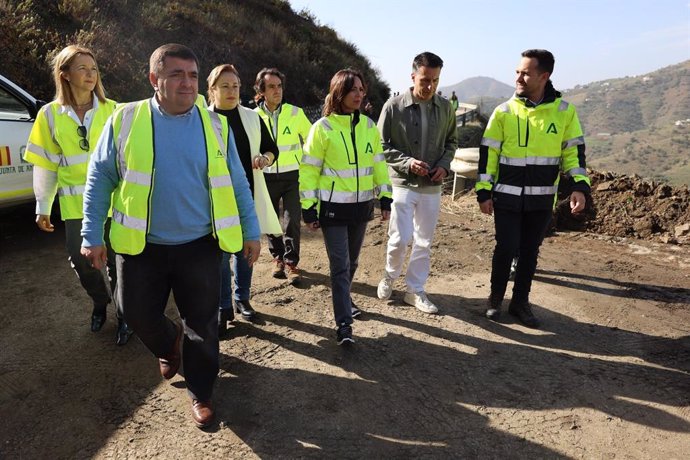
x,y
343,245
192,272
517,232
285,247
91,279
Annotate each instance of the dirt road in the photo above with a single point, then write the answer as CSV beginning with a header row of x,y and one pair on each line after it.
x,y
607,376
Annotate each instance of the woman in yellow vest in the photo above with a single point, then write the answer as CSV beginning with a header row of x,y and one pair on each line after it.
x,y
256,149
60,144
343,171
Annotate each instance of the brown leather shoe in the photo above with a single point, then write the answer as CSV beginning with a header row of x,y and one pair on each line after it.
x,y
202,413
279,269
171,363
294,274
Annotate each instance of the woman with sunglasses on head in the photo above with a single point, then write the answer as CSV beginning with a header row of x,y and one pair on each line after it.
x,y
256,150
343,171
60,144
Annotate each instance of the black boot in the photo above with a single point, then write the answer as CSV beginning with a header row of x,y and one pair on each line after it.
x,y
123,332
523,312
244,308
98,318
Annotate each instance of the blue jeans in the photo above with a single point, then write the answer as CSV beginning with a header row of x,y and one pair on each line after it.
x,y
243,279
343,244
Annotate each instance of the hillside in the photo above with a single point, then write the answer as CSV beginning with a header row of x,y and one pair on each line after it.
x,y
630,123
474,88
251,34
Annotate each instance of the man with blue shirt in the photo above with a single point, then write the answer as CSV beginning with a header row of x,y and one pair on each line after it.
x,y
179,197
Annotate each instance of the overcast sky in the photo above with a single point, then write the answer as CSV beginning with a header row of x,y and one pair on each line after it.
x,y
591,39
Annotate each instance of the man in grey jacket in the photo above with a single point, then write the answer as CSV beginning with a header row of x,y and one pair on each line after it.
x,y
419,136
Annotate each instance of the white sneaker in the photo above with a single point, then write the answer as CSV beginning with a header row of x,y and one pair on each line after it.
x,y
385,288
420,301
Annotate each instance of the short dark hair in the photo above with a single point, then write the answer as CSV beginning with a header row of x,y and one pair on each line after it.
x,y
427,59
170,50
260,83
545,59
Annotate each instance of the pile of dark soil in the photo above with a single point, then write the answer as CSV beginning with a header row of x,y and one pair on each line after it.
x,y
630,206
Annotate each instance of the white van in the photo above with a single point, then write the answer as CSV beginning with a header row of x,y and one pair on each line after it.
x,y
18,111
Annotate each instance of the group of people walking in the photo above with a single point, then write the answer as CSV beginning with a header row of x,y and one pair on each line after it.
x,y
172,195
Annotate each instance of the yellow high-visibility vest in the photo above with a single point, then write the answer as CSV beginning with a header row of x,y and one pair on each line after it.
x,y
292,130
527,147
55,144
133,134
341,165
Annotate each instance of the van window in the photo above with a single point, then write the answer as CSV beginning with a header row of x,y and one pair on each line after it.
x,y
12,108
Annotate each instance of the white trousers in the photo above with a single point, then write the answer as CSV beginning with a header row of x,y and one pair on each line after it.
x,y
413,219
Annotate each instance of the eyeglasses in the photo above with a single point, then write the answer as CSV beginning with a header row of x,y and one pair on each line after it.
x,y
83,142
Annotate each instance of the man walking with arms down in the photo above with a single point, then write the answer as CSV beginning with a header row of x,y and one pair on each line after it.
x,y
179,196
289,127
418,132
527,141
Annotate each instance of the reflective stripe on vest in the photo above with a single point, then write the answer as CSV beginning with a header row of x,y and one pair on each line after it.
x,y
580,140
129,221
227,222
576,172
517,191
312,160
548,190
326,125
368,171
346,197
73,160
288,148
308,194
528,161
509,189
491,143
43,153
71,190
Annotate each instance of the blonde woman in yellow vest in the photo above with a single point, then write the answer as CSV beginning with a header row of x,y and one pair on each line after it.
x,y
256,150
343,171
60,146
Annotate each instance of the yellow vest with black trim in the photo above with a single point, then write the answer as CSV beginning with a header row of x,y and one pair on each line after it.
x,y
54,144
343,168
133,136
525,148
292,130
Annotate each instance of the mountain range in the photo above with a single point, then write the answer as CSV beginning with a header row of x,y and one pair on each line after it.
x,y
475,88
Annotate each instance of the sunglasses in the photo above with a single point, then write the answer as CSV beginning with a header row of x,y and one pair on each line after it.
x,y
83,142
